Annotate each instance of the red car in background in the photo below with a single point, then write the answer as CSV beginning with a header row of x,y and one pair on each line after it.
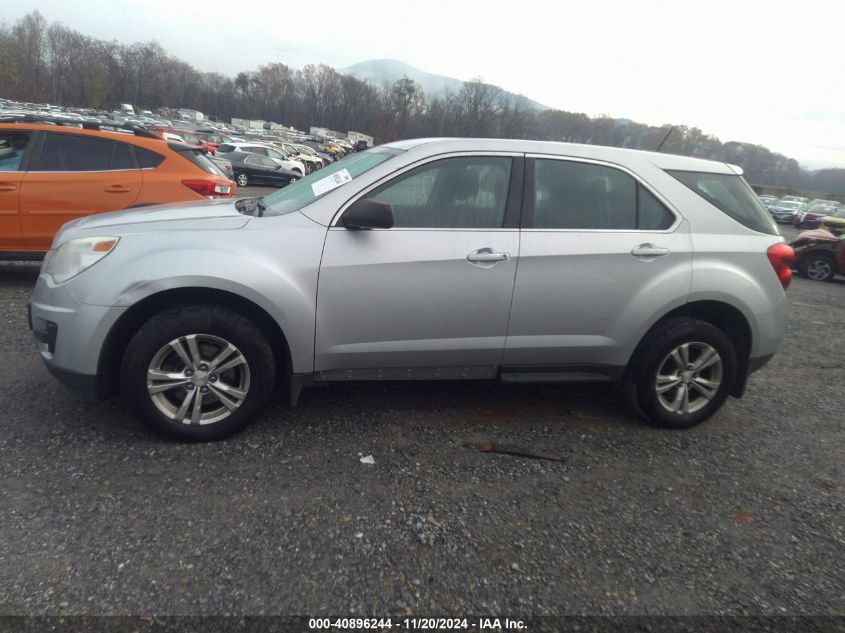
x,y
187,135
819,255
811,218
213,138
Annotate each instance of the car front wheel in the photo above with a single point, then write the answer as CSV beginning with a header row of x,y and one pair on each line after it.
x,y
681,373
198,372
243,180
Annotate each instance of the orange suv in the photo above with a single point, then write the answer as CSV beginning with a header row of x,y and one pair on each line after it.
x,y
52,171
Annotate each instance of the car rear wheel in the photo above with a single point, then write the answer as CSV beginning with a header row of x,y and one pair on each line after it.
x,y
198,372
681,373
242,179
817,268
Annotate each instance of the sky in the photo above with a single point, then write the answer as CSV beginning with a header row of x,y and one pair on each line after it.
x,y
759,71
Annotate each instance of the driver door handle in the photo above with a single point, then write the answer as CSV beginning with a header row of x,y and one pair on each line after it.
x,y
117,189
488,255
649,250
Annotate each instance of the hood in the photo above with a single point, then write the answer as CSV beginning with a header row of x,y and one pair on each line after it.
x,y
197,216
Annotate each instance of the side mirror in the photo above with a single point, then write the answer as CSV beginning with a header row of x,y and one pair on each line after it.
x,y
367,213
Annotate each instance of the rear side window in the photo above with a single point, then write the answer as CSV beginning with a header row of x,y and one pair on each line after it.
x,y
122,157
731,195
574,195
71,152
148,159
652,215
12,147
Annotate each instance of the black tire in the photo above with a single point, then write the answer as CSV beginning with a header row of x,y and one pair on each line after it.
x,y
653,353
242,179
214,324
818,267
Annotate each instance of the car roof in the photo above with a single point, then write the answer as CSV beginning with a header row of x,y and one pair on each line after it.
x,y
577,150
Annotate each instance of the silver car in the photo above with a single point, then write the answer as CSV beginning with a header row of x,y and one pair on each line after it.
x,y
434,259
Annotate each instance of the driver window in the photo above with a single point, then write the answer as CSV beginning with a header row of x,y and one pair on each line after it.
x,y
461,192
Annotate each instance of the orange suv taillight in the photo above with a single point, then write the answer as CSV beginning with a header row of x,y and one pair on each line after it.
x,y
781,256
209,188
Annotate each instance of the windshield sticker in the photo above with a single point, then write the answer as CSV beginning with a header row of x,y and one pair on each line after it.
x,y
328,183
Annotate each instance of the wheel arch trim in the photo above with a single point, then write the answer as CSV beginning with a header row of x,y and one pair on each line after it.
x,y
121,332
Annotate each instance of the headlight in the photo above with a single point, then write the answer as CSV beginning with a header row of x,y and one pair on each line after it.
x,y
74,256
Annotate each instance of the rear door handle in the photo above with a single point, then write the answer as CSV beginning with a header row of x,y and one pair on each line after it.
x,y
5,186
487,256
117,189
649,250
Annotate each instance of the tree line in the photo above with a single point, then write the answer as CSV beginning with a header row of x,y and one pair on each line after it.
x,y
49,62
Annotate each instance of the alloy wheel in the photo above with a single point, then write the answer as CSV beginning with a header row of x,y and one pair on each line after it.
x,y
688,378
819,269
242,180
198,379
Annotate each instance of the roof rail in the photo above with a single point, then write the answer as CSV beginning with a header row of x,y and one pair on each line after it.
x,y
86,124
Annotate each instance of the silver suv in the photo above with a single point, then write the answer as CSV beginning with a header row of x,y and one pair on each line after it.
x,y
433,259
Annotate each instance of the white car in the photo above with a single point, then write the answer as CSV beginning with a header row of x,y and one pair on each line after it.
x,y
265,150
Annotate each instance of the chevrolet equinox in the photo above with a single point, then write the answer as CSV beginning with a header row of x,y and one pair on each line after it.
x,y
433,259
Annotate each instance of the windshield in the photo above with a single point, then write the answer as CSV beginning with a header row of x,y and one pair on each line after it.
x,y
300,194
789,205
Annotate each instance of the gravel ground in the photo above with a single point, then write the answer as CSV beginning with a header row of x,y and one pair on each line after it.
x,y
742,515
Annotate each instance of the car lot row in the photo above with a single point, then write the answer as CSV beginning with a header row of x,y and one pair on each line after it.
x,y
802,212
820,251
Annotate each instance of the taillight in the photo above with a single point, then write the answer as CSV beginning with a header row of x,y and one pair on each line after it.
x,y
781,256
210,188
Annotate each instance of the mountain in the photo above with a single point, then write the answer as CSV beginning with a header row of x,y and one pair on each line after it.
x,y
379,71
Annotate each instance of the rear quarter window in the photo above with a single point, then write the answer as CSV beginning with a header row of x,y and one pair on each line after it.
x,y
198,158
731,195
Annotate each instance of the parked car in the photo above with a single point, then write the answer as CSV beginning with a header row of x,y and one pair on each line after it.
x,y
224,165
795,199
312,150
51,173
835,222
785,210
266,150
819,255
811,218
828,203
768,201
255,169
186,135
214,138
296,153
401,263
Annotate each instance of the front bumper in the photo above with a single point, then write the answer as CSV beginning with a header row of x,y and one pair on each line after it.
x,y
84,387
70,335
